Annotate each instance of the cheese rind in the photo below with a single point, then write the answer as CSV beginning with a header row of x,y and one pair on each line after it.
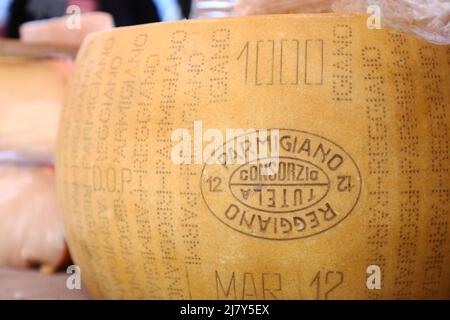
x,y
367,110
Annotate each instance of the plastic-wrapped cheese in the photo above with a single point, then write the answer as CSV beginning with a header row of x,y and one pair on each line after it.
x,y
427,19
358,207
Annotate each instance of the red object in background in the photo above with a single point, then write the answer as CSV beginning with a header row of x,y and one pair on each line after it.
x,y
85,5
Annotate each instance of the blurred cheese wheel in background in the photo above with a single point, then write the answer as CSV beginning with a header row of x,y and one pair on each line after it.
x,y
31,229
68,30
31,96
359,208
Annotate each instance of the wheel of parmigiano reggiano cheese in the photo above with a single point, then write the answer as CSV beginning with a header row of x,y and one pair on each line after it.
x,y
358,207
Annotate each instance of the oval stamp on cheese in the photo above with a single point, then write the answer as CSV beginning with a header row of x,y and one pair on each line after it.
x,y
314,186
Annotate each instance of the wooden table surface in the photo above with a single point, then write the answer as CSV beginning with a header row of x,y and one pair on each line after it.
x,y
32,284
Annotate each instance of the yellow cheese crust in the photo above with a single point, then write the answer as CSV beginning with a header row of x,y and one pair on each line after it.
x,y
364,112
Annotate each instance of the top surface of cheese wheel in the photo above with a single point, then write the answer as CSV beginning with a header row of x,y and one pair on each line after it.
x,y
362,187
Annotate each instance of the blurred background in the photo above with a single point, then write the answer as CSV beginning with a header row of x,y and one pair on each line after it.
x,y
13,13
